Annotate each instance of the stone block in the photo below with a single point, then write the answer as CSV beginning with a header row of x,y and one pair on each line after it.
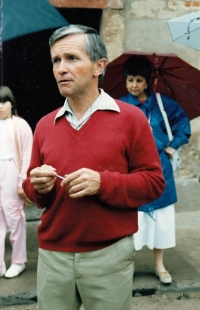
x,y
112,32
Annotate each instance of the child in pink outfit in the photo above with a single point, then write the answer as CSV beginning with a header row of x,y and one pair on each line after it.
x,y
12,216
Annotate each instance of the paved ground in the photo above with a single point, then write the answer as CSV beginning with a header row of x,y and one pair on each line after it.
x,y
170,301
182,261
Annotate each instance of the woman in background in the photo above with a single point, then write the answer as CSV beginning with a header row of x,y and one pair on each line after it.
x,y
156,220
15,152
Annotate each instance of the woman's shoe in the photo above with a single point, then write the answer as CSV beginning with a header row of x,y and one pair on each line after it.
x,y
164,277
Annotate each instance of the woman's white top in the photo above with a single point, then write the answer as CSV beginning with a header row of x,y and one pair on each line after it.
x,y
5,152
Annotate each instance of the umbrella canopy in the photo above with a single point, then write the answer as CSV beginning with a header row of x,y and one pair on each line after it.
x,y
23,17
186,30
171,76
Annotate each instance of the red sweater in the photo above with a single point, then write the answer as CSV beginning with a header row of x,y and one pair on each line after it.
x,y
121,148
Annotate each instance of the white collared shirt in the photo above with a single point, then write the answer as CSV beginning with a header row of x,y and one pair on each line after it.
x,y
103,102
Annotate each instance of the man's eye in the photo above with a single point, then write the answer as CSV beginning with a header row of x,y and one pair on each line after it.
x,y
72,57
56,60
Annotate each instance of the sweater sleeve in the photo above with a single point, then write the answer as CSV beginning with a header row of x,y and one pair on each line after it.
x,y
144,182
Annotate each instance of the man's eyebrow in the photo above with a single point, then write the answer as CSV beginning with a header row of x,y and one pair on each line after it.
x,y
54,56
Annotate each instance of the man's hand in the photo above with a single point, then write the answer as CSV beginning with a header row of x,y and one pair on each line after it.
x,y
82,182
43,178
169,151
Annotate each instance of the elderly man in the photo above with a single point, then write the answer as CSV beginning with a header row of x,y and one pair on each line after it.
x,y
105,152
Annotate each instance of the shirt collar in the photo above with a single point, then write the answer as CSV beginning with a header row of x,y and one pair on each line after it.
x,y
103,102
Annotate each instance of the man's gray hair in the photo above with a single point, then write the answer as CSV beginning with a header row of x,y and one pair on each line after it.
x,y
95,47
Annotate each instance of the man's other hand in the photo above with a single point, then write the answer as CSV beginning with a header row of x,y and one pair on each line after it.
x,y
82,182
43,178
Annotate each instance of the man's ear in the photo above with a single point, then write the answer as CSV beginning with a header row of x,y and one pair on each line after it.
x,y
100,66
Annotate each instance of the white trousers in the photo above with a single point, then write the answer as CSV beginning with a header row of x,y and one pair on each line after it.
x,y
12,215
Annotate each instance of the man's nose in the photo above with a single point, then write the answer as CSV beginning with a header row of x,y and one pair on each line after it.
x,y
63,68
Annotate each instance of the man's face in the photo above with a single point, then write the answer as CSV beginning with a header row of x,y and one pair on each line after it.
x,y
72,67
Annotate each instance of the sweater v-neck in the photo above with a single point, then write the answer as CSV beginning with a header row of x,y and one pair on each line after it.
x,y
78,133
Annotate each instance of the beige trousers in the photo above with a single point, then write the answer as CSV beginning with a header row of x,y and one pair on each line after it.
x,y
100,280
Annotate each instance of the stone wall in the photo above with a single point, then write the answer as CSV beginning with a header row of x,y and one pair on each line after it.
x,y
113,32
142,26
187,178
190,168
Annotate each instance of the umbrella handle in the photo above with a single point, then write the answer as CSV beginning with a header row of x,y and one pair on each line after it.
x,y
188,27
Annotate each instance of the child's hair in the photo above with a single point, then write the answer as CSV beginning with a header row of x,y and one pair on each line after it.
x,y
7,95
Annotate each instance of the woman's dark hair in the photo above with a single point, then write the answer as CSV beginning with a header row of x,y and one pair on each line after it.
x,y
7,95
138,65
